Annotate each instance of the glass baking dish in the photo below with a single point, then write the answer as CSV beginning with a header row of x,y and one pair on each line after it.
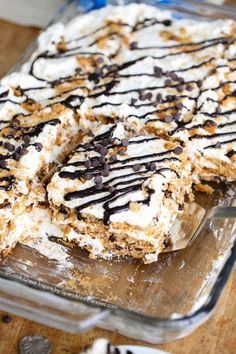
x,y
156,303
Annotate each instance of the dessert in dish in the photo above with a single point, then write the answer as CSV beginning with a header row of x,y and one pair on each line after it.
x,y
130,83
119,195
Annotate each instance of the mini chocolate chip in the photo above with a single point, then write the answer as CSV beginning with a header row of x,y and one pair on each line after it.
x,y
177,116
158,98
98,179
106,166
99,186
124,142
102,159
178,150
168,118
105,173
26,138
210,123
113,157
167,82
100,60
111,189
6,319
170,98
217,145
137,167
88,176
133,101
180,105
87,146
95,162
152,166
148,96
98,147
167,23
111,140
180,88
2,164
157,71
38,146
10,147
133,45
103,151
23,151
173,76
189,88
88,164
105,142
16,156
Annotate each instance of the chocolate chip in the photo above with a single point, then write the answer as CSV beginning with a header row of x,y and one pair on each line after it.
x,y
152,166
23,151
2,164
168,118
6,319
167,23
105,173
26,138
87,146
124,142
148,96
103,151
111,140
102,159
98,179
137,167
170,98
95,162
173,76
99,186
180,105
167,82
133,101
157,71
106,166
217,145
178,150
113,157
88,176
100,60
189,87
38,146
105,142
88,164
15,123
8,146
133,45
180,88
111,189
158,98
16,156
177,116
98,147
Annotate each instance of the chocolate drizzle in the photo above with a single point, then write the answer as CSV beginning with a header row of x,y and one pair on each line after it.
x,y
123,178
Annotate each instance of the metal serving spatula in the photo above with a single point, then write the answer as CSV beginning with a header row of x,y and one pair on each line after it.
x,y
186,229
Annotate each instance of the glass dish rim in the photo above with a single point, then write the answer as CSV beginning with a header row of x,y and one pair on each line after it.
x,y
212,299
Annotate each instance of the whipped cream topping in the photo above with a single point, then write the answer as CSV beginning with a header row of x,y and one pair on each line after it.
x,y
119,178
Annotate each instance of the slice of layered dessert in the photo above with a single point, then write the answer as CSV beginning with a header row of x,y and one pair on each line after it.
x,y
119,195
30,145
212,131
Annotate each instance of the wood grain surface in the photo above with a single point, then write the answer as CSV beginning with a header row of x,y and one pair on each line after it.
x,y
216,336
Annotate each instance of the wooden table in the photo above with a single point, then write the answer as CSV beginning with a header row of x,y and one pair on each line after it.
x,y
215,336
